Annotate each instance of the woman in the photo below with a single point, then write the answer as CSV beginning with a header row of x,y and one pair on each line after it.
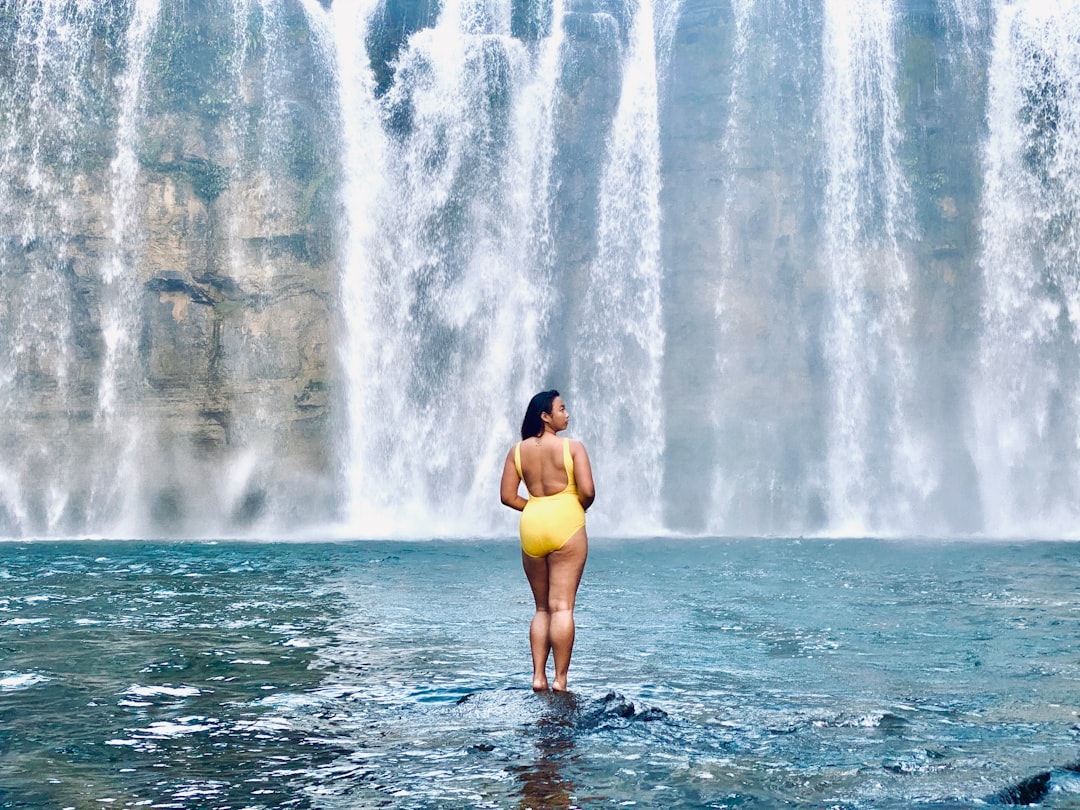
x,y
554,546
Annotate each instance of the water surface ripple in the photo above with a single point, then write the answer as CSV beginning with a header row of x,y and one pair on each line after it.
x,y
708,673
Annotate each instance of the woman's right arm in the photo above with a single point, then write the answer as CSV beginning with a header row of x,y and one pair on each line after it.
x,y
508,488
583,475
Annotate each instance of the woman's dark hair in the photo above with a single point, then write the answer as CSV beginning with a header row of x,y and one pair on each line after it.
x,y
532,424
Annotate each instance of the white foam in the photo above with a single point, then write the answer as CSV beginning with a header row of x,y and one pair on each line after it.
x,y
171,691
186,725
302,643
10,681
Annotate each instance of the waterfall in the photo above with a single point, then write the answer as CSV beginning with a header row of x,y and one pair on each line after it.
x,y
156,167
253,161
878,472
280,265
48,105
1027,414
724,490
117,497
451,289
343,33
617,362
445,276
756,317
271,148
813,381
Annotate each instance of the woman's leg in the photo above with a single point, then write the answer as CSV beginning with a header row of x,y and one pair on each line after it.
x,y
565,567
536,569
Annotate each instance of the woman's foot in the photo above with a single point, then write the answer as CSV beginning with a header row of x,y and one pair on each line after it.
x,y
559,686
540,684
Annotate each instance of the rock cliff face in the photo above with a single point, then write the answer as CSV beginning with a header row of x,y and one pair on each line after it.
x,y
191,308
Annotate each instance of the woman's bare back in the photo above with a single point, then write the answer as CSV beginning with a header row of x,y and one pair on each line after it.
x,y
542,466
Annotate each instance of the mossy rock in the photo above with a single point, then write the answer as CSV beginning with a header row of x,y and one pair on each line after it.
x,y
208,179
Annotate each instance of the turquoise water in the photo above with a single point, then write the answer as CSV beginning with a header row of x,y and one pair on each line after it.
x,y
708,673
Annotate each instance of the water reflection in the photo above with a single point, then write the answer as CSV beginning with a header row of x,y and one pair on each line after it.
x,y
544,784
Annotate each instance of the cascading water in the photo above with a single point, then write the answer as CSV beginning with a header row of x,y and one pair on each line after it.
x,y
617,364
445,283
343,33
47,104
813,383
723,492
1027,427
116,497
269,265
150,211
759,475
877,471
451,294
276,173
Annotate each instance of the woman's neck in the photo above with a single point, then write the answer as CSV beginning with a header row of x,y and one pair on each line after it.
x,y
548,431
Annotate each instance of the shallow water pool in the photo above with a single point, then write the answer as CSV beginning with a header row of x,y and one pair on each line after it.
x,y
707,673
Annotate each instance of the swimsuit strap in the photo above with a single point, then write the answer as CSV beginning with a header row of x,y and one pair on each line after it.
x,y
517,460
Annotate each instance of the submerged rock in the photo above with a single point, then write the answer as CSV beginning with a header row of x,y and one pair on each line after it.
x,y
1033,789
592,714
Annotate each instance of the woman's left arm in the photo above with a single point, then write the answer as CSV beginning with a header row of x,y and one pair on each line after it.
x,y
508,488
583,474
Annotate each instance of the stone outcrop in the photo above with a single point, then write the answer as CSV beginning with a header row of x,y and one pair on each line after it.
x,y
200,334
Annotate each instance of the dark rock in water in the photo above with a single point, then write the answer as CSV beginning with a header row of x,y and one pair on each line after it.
x,y
612,707
1026,791
650,714
616,705
891,722
916,762
1033,789
780,730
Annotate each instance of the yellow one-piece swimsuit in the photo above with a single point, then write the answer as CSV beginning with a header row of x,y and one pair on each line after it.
x,y
548,521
